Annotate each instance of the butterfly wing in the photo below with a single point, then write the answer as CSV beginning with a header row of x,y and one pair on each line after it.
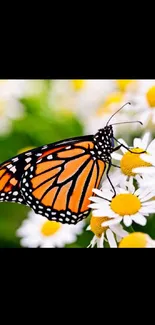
x,y
10,176
58,182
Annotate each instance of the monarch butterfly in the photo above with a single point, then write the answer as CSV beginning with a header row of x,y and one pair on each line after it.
x,y
56,180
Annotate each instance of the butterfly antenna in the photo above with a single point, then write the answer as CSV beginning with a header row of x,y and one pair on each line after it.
x,y
128,123
117,112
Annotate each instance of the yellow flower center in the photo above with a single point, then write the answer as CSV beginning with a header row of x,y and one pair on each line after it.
x,y
78,84
96,227
134,240
151,96
49,228
125,204
25,149
112,99
124,84
131,160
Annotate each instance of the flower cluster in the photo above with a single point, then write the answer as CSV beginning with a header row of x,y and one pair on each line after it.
x,y
113,217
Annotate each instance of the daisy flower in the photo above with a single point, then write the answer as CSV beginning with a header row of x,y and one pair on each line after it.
x,y
102,234
137,240
130,161
128,206
37,231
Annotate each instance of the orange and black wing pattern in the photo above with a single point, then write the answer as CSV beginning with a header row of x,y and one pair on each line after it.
x,y
57,184
10,176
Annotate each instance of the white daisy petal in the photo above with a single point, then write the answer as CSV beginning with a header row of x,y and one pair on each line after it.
x,y
147,210
112,222
127,221
116,156
144,193
119,231
111,239
95,199
138,192
100,241
149,204
100,213
145,140
148,197
137,143
145,117
144,170
147,158
131,187
105,193
125,144
151,147
139,219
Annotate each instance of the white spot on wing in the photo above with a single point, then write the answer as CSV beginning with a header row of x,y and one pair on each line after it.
x,y
9,166
13,169
15,193
49,157
28,160
15,159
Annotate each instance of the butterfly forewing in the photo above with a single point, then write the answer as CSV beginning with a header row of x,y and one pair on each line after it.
x,y
59,184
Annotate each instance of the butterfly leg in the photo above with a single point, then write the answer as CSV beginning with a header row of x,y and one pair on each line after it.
x,y
107,174
122,145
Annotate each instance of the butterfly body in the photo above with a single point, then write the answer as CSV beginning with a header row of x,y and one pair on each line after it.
x,y
57,180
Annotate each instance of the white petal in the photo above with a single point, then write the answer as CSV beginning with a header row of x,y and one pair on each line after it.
x,y
137,143
139,219
147,210
131,187
96,199
144,193
148,197
145,140
125,144
153,117
144,117
127,221
151,147
88,228
111,239
112,222
105,193
101,213
100,241
147,158
144,170
93,242
150,204
119,231
138,192
116,156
